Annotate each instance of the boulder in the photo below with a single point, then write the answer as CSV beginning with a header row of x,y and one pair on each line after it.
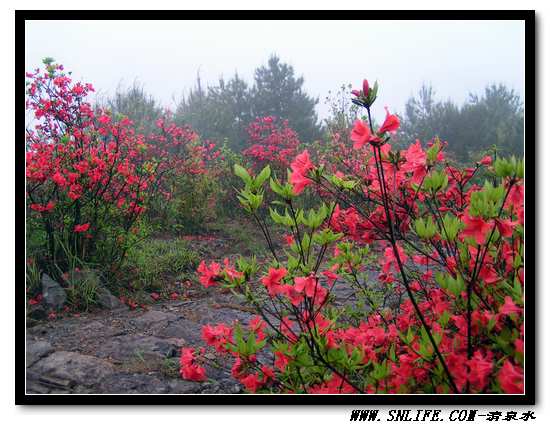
x,y
37,349
107,300
54,295
37,312
153,317
129,347
64,370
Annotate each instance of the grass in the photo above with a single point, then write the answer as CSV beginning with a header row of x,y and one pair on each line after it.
x,y
154,263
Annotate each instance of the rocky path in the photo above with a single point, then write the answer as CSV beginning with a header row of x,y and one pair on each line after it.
x,y
123,351
128,351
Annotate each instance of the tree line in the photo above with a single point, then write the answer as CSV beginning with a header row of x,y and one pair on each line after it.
x,y
223,111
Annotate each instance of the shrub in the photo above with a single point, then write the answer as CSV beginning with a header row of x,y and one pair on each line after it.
x,y
90,175
272,142
450,253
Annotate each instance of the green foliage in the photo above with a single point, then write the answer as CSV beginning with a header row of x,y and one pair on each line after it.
x,y
277,92
82,287
495,118
32,277
153,263
487,202
509,167
342,112
136,104
223,111
218,112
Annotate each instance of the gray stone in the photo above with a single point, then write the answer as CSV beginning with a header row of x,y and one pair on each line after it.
x,y
183,329
129,347
54,295
63,370
153,317
37,312
36,350
181,386
107,300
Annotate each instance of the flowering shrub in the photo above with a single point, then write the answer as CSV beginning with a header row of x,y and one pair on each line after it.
x,y
272,142
90,175
406,278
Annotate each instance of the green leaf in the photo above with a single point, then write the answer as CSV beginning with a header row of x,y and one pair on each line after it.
x,y
242,173
262,177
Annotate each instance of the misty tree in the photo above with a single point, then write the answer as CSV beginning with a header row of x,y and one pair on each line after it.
x,y
493,119
497,118
224,111
136,104
277,91
342,112
218,112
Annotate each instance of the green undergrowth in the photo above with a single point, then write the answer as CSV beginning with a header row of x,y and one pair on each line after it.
x,y
155,263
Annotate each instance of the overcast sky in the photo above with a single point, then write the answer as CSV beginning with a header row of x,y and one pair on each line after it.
x,y
456,57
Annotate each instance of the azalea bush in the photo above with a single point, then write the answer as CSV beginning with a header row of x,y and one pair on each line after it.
x,y
90,175
405,277
272,141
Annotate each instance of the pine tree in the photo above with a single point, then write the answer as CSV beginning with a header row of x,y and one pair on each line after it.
x,y
278,92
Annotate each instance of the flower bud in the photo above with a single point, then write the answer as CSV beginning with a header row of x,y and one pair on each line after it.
x,y
365,87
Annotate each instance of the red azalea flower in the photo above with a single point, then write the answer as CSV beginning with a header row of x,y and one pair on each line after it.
x,y
252,382
230,271
300,168
208,276
481,366
361,135
391,123
476,228
294,296
305,284
505,226
510,378
217,336
486,160
509,307
289,239
273,280
79,228
281,361
189,369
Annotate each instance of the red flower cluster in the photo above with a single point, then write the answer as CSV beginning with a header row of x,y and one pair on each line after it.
x,y
272,141
189,369
83,166
300,167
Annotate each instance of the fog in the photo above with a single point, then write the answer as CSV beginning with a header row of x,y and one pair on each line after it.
x,y
456,57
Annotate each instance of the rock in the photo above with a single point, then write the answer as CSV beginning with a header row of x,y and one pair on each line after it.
x,y
183,329
135,383
222,386
153,317
63,370
132,383
37,312
129,347
107,300
54,295
180,386
36,350
91,279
